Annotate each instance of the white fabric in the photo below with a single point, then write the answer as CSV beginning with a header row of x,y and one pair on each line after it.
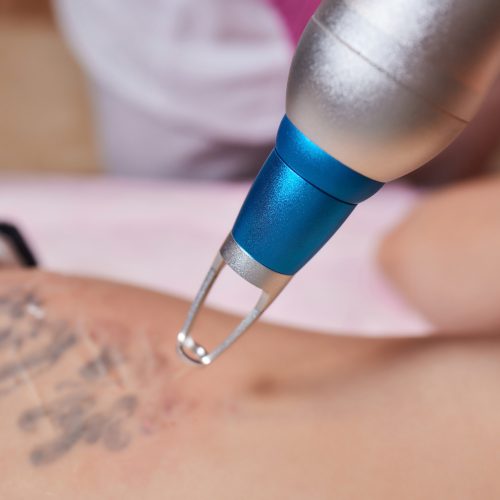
x,y
212,72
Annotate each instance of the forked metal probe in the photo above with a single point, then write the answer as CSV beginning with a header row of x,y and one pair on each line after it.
x,y
270,282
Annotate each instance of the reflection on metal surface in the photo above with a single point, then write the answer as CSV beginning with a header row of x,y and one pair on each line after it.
x,y
270,282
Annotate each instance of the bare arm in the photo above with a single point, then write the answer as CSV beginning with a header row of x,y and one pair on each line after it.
x,y
94,404
445,257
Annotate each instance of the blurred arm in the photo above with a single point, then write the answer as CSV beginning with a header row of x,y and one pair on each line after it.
x,y
445,257
95,404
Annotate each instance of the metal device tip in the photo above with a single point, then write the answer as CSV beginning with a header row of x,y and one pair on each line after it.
x,y
270,282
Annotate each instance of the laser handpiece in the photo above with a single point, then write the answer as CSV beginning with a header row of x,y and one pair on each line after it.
x,y
375,90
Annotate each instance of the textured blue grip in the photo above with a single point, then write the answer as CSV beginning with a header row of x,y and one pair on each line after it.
x,y
298,201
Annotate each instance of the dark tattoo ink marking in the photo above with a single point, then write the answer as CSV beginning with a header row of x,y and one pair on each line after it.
x,y
34,359
77,418
59,412
116,439
4,336
31,344
100,366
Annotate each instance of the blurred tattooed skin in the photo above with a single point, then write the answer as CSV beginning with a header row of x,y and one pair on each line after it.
x,y
88,407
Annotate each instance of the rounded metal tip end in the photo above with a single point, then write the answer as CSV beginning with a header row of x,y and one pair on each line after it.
x,y
190,351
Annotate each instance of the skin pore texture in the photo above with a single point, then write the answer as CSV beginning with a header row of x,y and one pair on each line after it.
x,y
94,404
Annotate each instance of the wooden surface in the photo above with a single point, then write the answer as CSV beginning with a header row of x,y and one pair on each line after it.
x,y
45,119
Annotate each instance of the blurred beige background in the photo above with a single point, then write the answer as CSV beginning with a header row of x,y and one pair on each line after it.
x,y
45,120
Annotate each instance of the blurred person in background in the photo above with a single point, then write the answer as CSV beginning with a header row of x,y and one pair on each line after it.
x,y
197,89
183,88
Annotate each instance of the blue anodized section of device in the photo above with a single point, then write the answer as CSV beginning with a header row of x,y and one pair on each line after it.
x,y
320,169
300,198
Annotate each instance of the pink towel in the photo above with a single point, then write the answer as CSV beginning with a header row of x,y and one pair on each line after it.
x,y
165,235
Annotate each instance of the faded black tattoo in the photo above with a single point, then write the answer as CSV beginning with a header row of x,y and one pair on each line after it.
x,y
100,366
77,418
29,344
32,344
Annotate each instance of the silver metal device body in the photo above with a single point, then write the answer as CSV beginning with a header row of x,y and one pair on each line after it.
x,y
384,85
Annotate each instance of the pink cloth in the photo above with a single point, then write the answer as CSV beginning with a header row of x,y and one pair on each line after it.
x,y
296,14
164,236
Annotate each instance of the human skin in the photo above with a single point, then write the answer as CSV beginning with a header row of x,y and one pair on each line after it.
x,y
445,257
94,404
